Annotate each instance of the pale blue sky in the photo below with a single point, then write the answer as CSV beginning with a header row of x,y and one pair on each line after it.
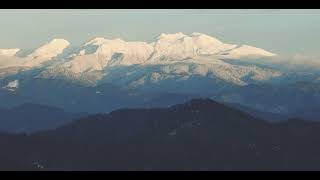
x,y
285,32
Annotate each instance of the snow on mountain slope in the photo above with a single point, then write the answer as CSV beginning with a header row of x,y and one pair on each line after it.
x,y
179,56
60,72
10,61
100,53
246,51
46,52
180,46
9,52
11,64
146,74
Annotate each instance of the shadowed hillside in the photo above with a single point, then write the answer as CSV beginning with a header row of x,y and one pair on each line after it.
x,y
198,135
34,117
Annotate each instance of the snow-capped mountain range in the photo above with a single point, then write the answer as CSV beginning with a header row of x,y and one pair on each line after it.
x,y
173,63
197,54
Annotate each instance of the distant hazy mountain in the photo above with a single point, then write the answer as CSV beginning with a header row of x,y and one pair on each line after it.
x,y
33,117
200,134
268,116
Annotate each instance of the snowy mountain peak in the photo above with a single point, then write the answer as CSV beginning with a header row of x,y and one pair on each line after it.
x,y
101,40
167,47
202,35
206,39
50,49
46,52
246,51
179,46
9,52
99,53
59,42
174,36
183,37
196,34
96,41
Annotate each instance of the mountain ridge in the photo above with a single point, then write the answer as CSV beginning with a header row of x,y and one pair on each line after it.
x,y
30,117
200,134
102,45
